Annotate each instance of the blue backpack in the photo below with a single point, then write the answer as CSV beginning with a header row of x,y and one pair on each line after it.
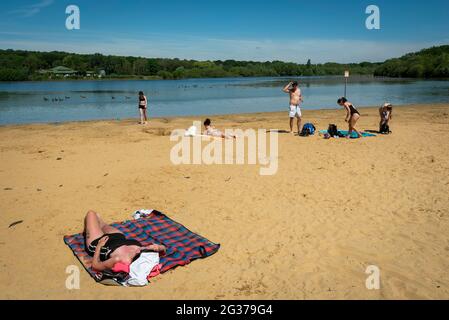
x,y
308,130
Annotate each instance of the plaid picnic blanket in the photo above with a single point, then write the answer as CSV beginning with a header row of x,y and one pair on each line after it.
x,y
183,246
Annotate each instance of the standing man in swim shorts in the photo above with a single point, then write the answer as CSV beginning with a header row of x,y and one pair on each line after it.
x,y
295,104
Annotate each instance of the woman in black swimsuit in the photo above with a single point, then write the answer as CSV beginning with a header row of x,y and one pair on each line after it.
x,y
352,116
385,113
143,104
108,246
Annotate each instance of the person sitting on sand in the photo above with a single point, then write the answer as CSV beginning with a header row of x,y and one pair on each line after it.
x,y
295,104
385,113
143,104
352,116
213,132
109,247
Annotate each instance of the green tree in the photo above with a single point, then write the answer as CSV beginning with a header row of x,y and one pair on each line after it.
x,y
140,67
32,63
179,73
165,74
153,67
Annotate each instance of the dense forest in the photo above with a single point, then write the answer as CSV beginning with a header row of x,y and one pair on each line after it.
x,y
428,63
26,65
17,65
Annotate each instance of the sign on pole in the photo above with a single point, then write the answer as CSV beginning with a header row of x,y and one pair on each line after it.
x,y
346,80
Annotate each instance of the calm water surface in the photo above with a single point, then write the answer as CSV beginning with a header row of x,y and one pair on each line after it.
x,y
31,102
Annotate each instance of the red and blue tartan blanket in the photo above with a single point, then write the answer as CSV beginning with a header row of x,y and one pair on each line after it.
x,y
183,246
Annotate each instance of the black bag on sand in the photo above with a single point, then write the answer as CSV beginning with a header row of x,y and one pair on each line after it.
x,y
333,131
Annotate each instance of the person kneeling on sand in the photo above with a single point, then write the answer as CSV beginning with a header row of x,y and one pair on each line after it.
x,y
385,113
352,116
213,132
109,247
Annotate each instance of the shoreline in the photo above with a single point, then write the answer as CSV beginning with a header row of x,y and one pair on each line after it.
x,y
204,116
353,76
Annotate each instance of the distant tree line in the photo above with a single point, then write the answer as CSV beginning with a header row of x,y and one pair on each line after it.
x,y
427,63
17,65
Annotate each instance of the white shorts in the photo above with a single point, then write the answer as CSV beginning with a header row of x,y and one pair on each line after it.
x,y
295,111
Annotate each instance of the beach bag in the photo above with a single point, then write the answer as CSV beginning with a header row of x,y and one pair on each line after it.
x,y
333,130
308,130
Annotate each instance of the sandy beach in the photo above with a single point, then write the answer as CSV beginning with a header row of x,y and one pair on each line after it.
x,y
334,207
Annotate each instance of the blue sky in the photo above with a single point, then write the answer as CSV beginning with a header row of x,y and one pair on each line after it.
x,y
288,30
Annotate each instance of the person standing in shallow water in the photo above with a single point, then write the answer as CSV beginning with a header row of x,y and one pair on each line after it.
x,y
143,105
352,116
295,104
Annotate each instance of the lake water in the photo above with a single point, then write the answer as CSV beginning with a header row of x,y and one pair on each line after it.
x,y
31,102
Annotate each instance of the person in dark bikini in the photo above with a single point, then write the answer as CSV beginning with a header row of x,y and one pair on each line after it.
x,y
385,112
143,105
352,116
109,247
113,241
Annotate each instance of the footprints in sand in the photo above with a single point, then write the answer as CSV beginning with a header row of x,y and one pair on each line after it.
x,y
44,155
162,132
249,288
431,159
165,120
12,189
99,186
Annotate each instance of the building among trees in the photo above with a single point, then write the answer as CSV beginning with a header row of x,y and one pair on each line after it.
x,y
60,71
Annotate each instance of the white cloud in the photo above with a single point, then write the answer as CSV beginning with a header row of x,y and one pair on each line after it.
x,y
32,10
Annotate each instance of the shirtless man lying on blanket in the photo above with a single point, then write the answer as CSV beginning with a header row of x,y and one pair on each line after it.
x,y
109,247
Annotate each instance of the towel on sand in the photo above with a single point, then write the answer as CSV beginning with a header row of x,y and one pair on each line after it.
x,y
183,246
353,135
